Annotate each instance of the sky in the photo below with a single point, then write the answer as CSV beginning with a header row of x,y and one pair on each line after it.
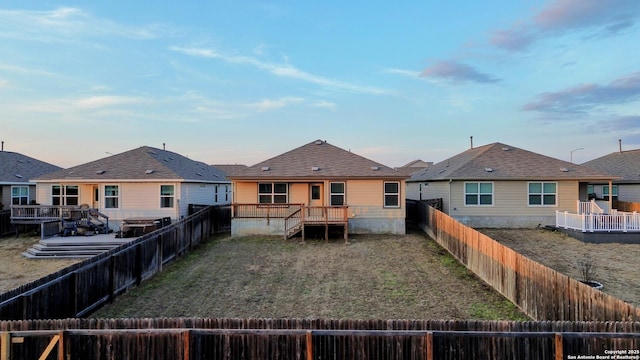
x,y
238,82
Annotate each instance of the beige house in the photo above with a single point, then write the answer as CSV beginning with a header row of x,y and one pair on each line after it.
x,y
499,185
145,182
318,184
625,165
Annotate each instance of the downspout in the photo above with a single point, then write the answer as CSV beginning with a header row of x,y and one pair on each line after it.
x,y
449,206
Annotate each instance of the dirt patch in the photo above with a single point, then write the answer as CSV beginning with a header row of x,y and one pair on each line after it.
x,y
616,265
380,277
17,270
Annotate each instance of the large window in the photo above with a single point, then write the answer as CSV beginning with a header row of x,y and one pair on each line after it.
x,y
605,191
272,193
392,194
542,193
19,195
111,196
166,196
337,193
64,195
478,193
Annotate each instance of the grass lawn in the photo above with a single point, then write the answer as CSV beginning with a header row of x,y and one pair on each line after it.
x,y
372,277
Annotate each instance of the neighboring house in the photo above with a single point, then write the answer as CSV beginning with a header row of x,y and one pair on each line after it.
x,y
143,182
499,185
625,165
413,166
16,174
230,169
318,184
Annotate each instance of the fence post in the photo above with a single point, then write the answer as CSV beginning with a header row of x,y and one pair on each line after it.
x,y
309,345
186,344
5,345
558,343
429,345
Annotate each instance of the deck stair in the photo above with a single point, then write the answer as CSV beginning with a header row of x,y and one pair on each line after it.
x,y
73,247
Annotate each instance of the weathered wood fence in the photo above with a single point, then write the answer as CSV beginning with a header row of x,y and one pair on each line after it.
x,y
540,292
83,287
5,222
211,338
628,206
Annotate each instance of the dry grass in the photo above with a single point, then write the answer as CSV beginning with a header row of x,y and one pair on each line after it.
x,y
616,265
17,270
381,277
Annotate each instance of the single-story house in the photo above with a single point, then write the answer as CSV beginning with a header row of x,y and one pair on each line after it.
x,y
145,182
16,174
625,165
318,184
499,185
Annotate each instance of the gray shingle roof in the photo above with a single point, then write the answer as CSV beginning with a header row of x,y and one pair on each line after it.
x,y
625,164
230,169
144,163
318,160
16,168
498,161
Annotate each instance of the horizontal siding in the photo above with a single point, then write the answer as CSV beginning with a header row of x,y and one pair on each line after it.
x,y
436,190
511,199
365,199
629,192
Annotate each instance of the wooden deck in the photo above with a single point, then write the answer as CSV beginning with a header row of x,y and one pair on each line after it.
x,y
74,247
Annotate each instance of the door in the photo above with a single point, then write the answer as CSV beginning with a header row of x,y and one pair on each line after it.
x,y
96,196
316,194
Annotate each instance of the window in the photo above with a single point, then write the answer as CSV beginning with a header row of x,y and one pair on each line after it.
x,y
392,194
605,190
111,196
337,193
479,193
166,196
541,193
19,195
315,192
226,193
272,193
215,200
64,195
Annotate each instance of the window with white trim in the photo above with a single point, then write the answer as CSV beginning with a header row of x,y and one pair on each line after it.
x,y
64,195
273,193
392,194
542,193
111,196
167,194
605,190
478,194
215,200
19,195
336,195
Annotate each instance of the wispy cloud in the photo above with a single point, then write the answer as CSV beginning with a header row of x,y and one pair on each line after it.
x,y
560,16
404,72
271,104
283,70
456,72
66,23
588,97
323,104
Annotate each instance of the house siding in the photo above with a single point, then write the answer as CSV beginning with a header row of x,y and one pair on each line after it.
x,y
434,190
629,192
510,205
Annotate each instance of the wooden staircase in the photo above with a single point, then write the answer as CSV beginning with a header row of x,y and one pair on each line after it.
x,y
74,247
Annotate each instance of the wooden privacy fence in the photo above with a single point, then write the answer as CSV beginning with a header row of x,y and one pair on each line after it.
x,y
540,292
198,338
628,206
5,222
83,287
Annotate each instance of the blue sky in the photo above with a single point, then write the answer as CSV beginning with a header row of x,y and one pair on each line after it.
x,y
242,81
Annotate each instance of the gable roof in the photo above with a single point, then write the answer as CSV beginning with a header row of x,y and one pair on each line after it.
x,y
625,164
16,168
229,169
144,163
318,160
498,161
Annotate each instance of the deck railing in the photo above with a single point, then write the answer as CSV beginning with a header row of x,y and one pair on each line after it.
x,y
619,221
262,211
37,213
589,207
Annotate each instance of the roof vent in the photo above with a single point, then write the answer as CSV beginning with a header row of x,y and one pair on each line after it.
x,y
563,169
505,148
318,142
488,169
18,176
198,174
315,168
441,171
375,168
150,171
100,172
266,168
